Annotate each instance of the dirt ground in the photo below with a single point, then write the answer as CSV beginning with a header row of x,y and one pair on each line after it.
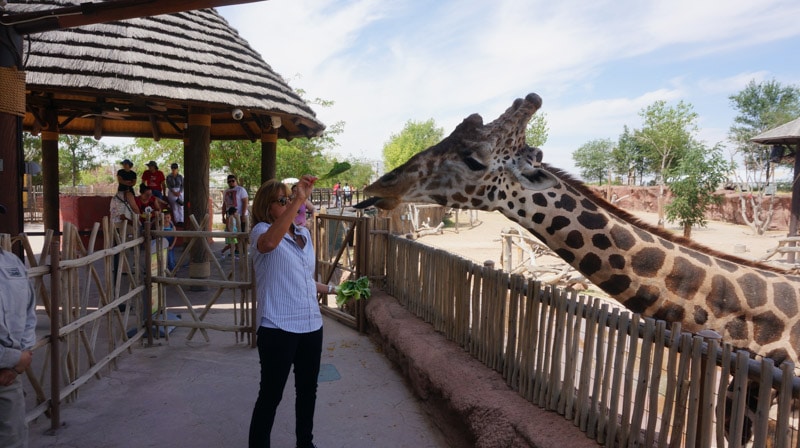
x,y
482,241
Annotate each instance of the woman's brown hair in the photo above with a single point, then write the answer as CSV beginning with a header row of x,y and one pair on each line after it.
x,y
267,193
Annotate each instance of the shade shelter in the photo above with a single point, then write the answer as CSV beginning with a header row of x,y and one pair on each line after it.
x,y
185,75
786,142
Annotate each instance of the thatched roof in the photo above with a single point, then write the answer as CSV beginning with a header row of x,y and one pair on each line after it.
x,y
139,77
785,134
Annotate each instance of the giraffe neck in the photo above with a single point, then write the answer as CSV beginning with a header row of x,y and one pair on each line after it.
x,y
666,277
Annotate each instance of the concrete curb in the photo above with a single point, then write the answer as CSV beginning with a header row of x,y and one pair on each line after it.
x,y
471,403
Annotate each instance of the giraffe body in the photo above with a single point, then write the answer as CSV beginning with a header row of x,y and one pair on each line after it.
x,y
650,271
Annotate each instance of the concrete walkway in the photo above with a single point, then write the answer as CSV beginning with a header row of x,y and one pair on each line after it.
x,y
182,393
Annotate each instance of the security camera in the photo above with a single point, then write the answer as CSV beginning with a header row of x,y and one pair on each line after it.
x,y
237,114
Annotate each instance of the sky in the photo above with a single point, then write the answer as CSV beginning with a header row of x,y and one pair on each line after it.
x,y
596,64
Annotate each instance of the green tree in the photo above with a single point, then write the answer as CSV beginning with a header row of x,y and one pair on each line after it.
x,y
760,107
76,154
239,157
32,151
293,159
693,183
308,156
164,152
414,138
536,132
594,159
628,159
665,136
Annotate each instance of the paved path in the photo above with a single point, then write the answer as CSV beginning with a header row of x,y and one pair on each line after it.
x,y
182,393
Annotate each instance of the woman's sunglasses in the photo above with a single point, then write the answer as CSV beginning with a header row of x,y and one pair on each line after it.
x,y
283,200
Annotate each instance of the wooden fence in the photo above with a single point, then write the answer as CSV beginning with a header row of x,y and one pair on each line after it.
x,y
107,300
624,380
91,300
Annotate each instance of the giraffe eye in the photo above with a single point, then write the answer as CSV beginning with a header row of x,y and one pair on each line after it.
x,y
473,164
389,178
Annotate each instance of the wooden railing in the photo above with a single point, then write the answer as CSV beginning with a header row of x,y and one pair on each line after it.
x,y
91,302
345,250
624,380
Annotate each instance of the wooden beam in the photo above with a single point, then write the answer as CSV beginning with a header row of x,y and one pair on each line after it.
x,y
90,13
269,155
154,126
98,127
250,134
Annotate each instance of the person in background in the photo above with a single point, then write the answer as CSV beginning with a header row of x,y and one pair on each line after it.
x,y
305,211
336,187
290,323
348,194
148,204
154,179
230,226
171,240
174,182
126,179
236,196
17,337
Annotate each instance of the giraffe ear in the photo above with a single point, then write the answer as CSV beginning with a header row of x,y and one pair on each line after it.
x,y
537,179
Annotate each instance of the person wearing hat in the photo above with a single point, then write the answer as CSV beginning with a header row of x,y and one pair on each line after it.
x,y
126,178
154,178
175,194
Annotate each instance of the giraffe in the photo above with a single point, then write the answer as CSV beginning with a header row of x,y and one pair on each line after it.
x,y
649,270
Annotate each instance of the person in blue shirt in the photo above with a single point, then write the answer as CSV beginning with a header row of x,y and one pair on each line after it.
x,y
171,240
290,323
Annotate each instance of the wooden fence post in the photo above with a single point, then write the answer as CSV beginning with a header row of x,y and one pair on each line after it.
x,y
55,353
703,435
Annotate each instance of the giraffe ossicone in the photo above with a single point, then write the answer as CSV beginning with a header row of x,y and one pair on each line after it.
x,y
649,270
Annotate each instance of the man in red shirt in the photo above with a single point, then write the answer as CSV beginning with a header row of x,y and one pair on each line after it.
x,y
154,178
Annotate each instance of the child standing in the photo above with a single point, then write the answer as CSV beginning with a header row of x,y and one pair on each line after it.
x,y
230,226
171,240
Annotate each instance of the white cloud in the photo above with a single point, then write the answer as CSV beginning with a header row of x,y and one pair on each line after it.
x,y
731,84
384,63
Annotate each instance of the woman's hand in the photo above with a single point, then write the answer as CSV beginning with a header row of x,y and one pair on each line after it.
x,y
305,187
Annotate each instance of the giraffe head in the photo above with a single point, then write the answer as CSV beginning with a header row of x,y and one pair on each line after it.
x,y
473,167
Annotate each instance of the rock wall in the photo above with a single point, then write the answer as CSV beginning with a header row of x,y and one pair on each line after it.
x,y
646,199
469,402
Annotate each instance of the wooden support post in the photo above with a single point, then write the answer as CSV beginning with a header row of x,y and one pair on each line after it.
x,y
269,155
197,163
795,208
148,280
55,343
11,156
50,181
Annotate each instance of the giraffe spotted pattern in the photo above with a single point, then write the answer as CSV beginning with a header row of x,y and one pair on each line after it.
x,y
650,271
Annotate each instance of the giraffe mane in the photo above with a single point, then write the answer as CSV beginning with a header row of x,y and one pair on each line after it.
x,y
658,231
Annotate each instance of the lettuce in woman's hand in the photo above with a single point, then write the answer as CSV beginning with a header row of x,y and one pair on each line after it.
x,y
337,169
352,290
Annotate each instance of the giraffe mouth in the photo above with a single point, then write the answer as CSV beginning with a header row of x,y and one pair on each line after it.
x,y
379,202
